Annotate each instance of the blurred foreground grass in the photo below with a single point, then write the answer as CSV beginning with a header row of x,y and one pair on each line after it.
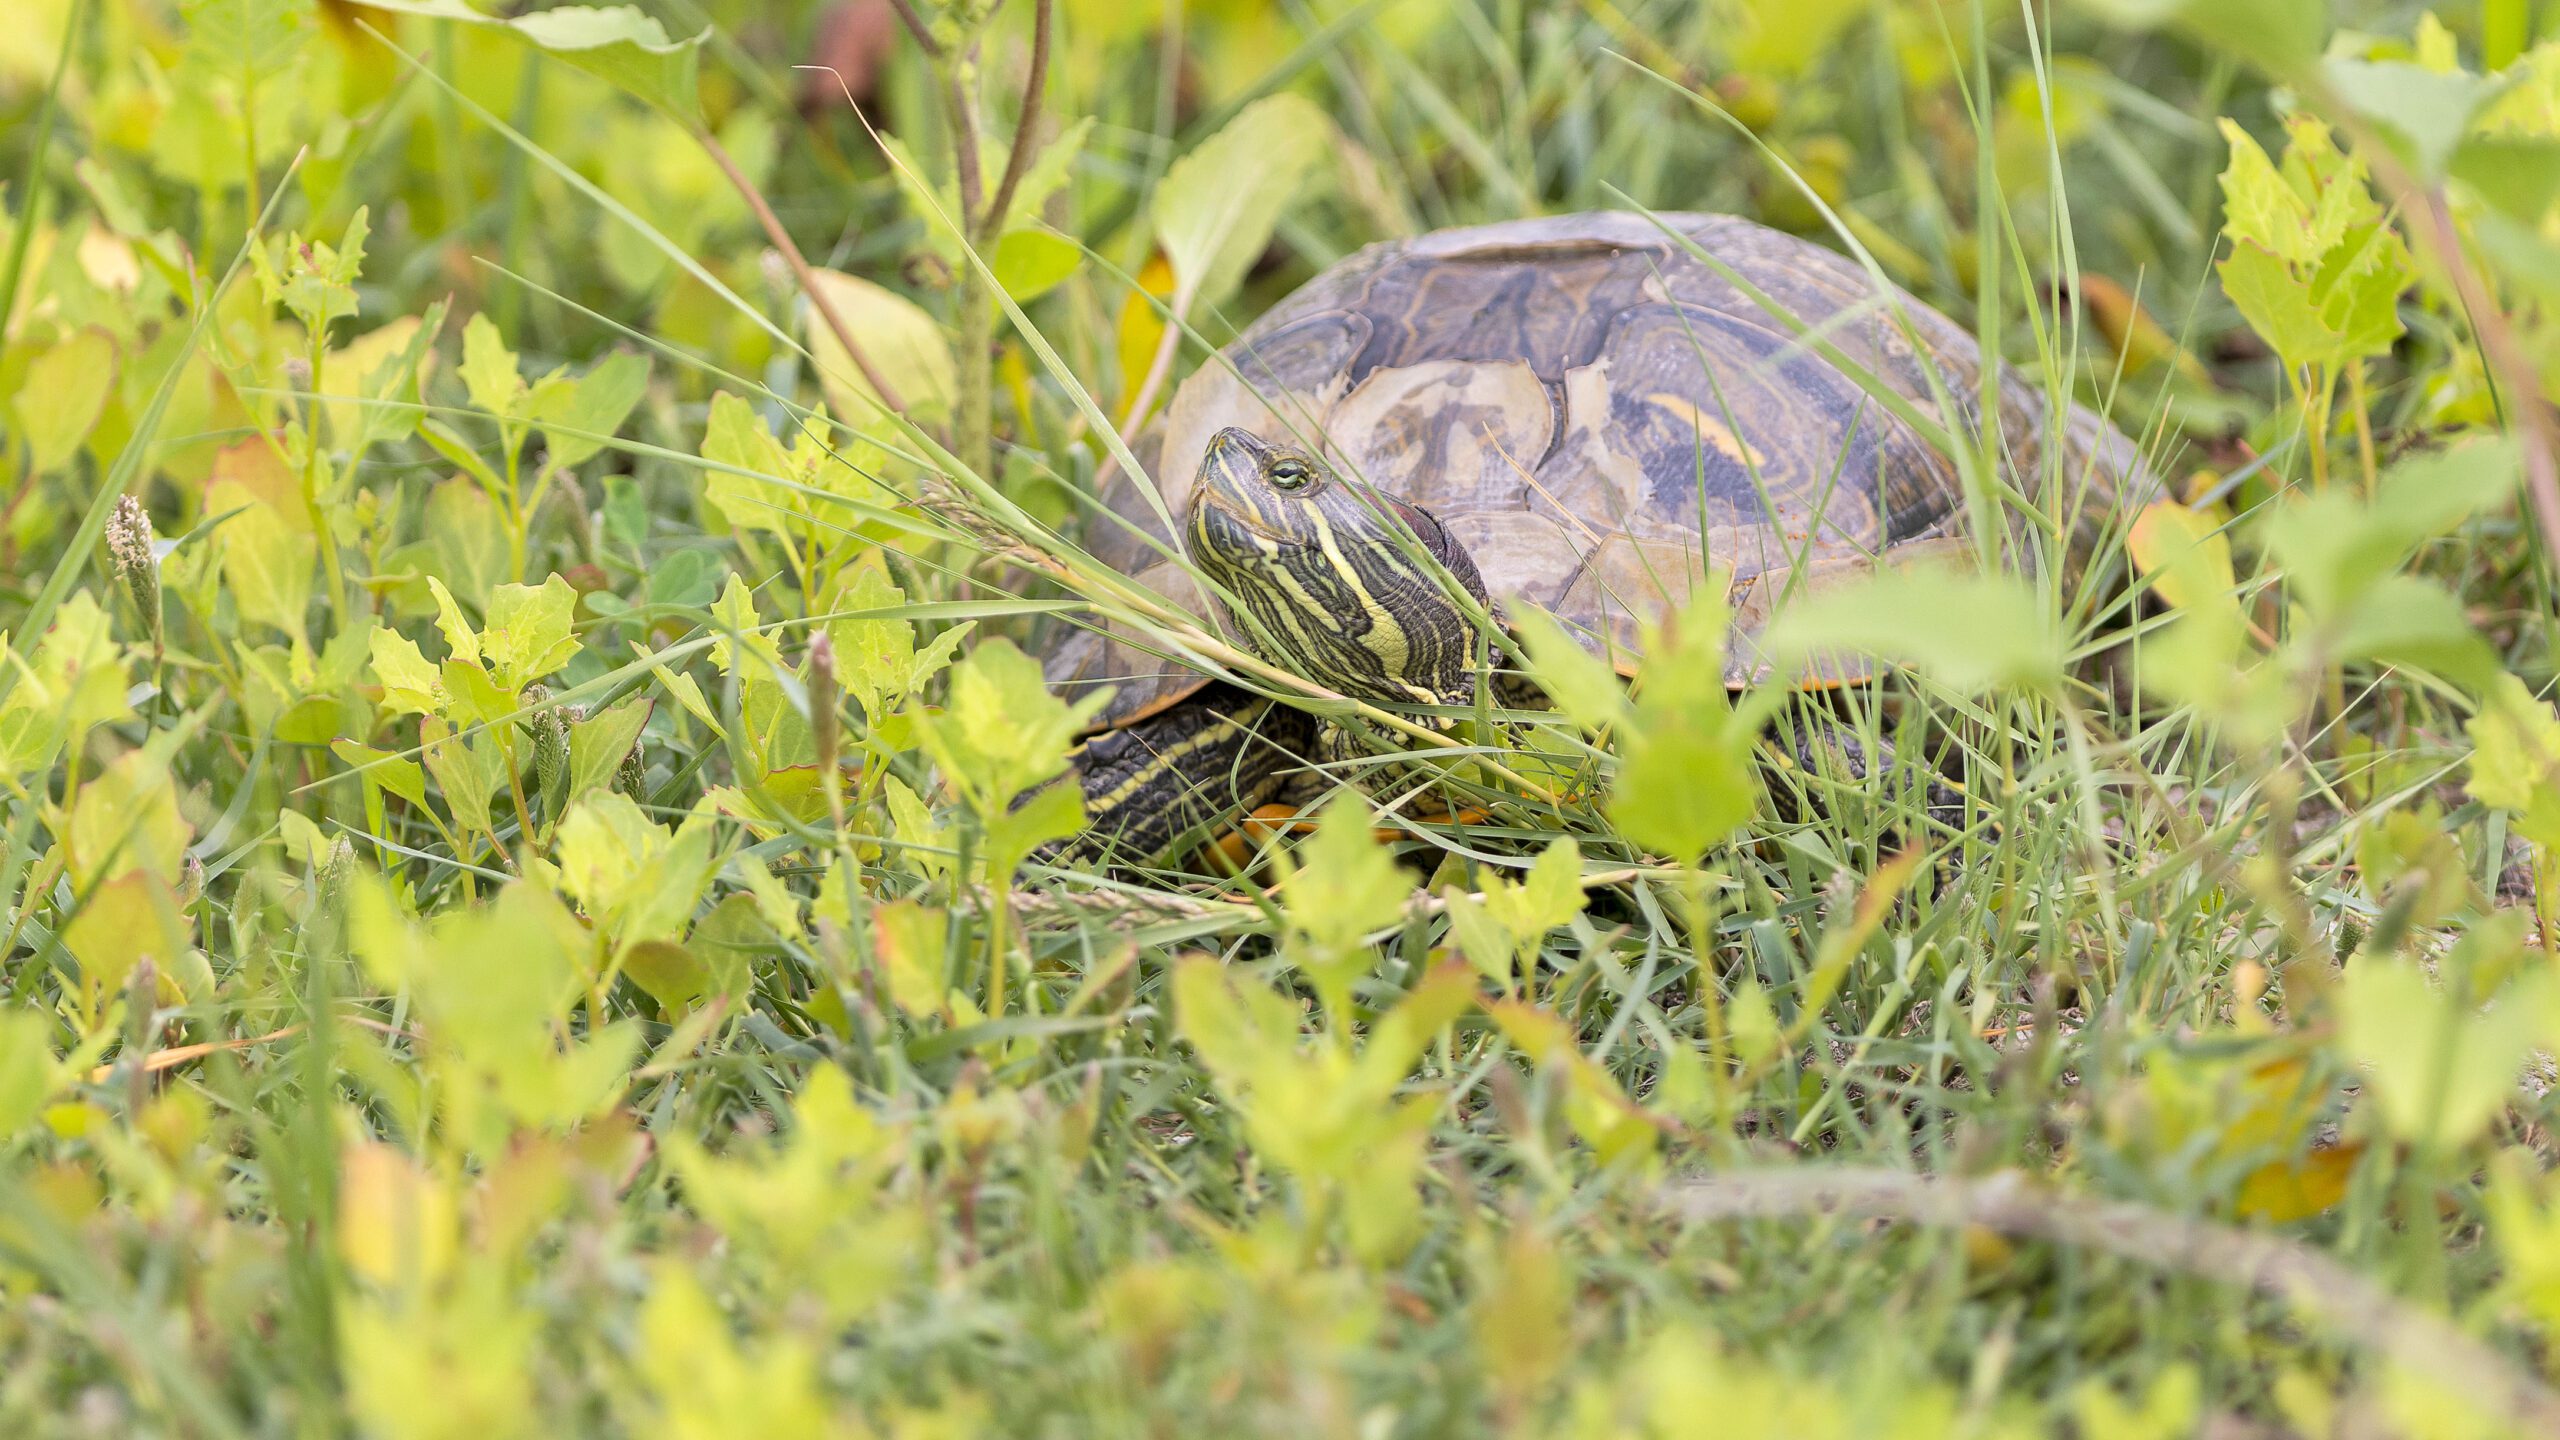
x,y
469,975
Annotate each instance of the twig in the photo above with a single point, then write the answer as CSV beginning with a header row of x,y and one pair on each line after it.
x,y
1018,159
818,299
931,47
2356,1306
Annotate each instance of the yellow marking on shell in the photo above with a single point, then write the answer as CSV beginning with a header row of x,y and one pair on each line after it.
x,y
1715,432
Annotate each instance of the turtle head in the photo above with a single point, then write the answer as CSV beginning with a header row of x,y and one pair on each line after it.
x,y
1349,587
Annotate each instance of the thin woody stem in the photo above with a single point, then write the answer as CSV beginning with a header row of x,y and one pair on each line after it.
x,y
1018,158
801,272
916,27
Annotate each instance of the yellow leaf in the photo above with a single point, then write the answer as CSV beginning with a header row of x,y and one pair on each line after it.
x,y
397,1224
897,336
2289,1190
127,819
2185,553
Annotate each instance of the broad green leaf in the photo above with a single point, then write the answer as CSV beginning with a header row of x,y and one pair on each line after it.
x,y
1342,883
2277,304
598,743
1029,263
127,921
2515,760
1504,925
596,404
896,335
64,392
2280,37
1575,681
246,42
489,372
529,633
459,637
29,1073
2428,110
1969,632
126,819
75,681
267,550
1216,207
468,772
1782,37
381,369
410,684
620,44
1001,730
2406,620
626,47
398,774
2336,546
877,661
2440,1069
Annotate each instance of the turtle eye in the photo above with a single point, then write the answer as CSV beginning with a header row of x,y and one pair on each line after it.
x,y
1291,475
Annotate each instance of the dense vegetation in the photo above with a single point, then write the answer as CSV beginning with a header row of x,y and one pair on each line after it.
x,y
478,965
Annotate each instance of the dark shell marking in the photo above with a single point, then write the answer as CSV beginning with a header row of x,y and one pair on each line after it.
x,y
1600,419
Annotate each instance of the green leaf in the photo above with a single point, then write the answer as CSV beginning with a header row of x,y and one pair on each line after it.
x,y
627,48
1504,925
1216,207
1342,885
597,404
2428,110
530,631
2406,620
398,774
1050,814
29,1074
459,637
2335,547
388,364
598,743
2440,1070
1001,731
619,44
2281,37
409,682
489,373
317,282
1575,681
468,773
1969,632
2515,760
877,662
62,396
1029,263
246,41
2276,302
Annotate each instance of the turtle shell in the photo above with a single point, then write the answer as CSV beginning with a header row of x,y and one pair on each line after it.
x,y
1603,420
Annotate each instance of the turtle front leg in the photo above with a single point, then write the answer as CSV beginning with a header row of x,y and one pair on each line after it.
x,y
1159,785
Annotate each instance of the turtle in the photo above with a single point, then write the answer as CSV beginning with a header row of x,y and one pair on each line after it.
x,y
1589,414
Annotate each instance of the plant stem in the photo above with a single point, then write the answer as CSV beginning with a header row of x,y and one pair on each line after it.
x,y
800,271
1018,158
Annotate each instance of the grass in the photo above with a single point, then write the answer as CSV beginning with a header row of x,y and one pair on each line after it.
x,y
391,1049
